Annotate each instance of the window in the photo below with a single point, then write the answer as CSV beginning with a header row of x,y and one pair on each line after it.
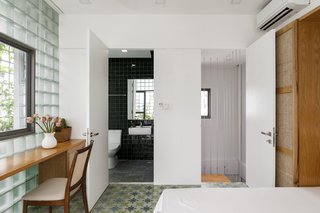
x,y
205,104
16,87
144,99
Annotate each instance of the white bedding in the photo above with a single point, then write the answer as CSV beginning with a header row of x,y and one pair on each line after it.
x,y
240,200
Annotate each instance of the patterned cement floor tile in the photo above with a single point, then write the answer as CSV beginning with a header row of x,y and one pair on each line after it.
x,y
128,198
224,185
131,198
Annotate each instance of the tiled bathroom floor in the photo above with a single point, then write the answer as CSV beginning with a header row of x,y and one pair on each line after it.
x,y
132,171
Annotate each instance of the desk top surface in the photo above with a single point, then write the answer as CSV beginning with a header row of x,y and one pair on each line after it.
x,y
23,160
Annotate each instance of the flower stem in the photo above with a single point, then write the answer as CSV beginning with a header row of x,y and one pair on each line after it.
x,y
51,126
46,126
40,126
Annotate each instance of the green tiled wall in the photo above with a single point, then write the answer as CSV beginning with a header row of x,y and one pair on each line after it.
x,y
35,23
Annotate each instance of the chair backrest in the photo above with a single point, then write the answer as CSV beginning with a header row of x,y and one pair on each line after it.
x,y
78,170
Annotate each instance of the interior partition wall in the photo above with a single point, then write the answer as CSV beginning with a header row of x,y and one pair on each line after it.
x,y
177,132
36,24
221,132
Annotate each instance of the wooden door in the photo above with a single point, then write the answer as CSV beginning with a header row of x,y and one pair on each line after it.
x,y
309,99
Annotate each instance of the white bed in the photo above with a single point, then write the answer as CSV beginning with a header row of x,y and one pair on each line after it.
x,y
240,200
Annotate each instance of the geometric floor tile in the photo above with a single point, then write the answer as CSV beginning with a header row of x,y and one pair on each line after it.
x,y
120,198
128,198
224,185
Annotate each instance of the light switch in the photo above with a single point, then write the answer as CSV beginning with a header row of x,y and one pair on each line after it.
x,y
164,106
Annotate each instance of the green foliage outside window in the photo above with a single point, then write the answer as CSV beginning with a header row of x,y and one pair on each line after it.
x,y
6,89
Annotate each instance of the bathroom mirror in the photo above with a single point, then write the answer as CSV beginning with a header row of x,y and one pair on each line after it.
x,y
140,99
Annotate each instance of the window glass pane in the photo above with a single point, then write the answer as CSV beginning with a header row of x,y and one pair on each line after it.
x,y
144,84
149,105
144,99
205,103
12,88
139,102
139,116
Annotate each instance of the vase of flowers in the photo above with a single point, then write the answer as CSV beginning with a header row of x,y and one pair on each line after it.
x,y
48,125
49,141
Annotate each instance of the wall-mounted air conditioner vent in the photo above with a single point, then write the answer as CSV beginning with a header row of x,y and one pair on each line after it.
x,y
278,11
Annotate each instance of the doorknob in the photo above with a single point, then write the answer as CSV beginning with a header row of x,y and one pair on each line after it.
x,y
267,133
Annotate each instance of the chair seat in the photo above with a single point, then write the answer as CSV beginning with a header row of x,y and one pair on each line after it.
x,y
50,190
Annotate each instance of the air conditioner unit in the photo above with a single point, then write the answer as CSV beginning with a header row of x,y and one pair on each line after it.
x,y
278,11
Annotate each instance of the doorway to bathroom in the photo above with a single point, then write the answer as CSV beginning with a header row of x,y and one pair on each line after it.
x,y
131,104
223,114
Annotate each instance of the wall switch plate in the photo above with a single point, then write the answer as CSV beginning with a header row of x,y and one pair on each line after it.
x,y
164,106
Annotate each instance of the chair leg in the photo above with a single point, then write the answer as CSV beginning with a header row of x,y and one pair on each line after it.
x,y
50,209
84,197
25,207
66,208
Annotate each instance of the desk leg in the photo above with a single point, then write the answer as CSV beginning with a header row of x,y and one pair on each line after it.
x,y
53,168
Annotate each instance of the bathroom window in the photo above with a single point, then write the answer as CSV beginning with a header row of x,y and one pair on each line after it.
x,y
16,87
205,103
144,99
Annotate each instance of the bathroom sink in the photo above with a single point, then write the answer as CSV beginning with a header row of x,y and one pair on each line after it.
x,y
140,130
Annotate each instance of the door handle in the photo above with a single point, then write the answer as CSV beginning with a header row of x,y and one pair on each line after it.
x,y
267,134
92,134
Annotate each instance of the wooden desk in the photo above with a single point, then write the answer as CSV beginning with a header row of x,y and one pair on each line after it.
x,y
52,162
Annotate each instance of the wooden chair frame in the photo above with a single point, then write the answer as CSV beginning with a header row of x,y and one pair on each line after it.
x,y
81,185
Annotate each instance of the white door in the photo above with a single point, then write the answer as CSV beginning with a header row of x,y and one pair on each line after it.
x,y
260,112
97,117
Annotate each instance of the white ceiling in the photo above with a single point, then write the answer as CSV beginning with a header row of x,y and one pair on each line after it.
x,y
150,6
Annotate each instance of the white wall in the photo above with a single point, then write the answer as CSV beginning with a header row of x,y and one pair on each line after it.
x,y
73,89
149,32
221,134
160,31
177,134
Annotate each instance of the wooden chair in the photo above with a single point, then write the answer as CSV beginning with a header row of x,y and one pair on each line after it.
x,y
59,191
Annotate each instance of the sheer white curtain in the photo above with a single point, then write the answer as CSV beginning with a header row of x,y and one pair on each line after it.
x,y
221,134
